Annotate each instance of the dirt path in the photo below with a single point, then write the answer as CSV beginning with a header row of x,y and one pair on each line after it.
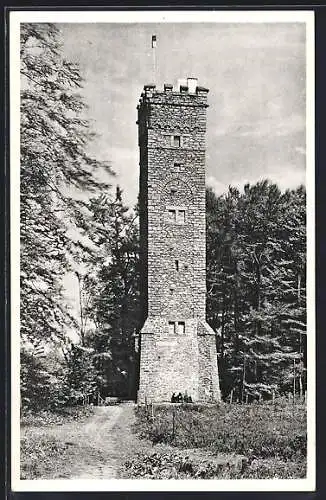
x,y
109,432
96,448
100,431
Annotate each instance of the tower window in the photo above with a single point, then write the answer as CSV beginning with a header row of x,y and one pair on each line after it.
x,y
176,215
176,141
176,263
172,215
172,328
181,328
177,327
181,218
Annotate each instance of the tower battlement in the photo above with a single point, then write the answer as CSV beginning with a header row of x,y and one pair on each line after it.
x,y
174,94
177,346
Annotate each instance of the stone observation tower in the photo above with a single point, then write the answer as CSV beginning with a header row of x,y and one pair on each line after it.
x,y
177,346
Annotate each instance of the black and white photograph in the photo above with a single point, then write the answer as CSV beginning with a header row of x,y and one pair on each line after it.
x,y
162,250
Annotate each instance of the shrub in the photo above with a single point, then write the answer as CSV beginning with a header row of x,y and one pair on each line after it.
x,y
167,465
57,417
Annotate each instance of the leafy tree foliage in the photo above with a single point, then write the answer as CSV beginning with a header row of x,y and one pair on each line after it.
x,y
43,377
55,168
114,292
80,374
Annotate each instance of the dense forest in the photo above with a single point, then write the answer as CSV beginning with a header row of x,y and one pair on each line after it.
x,y
256,295
74,224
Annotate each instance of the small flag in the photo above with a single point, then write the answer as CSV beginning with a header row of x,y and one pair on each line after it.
x,y
153,41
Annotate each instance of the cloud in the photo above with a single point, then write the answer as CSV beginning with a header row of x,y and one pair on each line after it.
x,y
217,186
272,127
286,176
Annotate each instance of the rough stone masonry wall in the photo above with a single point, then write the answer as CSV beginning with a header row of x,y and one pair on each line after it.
x,y
173,178
184,168
169,364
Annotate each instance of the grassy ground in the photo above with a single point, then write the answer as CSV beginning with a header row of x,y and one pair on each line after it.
x,y
77,443
270,438
229,442
43,453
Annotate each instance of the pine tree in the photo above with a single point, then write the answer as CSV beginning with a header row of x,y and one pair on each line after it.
x,y
114,291
80,374
256,266
223,294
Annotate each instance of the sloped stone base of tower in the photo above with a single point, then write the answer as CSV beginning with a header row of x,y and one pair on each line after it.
x,y
178,363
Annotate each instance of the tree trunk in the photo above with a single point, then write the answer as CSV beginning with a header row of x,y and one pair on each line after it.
x,y
223,325
236,305
300,339
243,377
293,380
82,336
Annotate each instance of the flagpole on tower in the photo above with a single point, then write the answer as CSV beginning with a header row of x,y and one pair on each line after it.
x,y
154,57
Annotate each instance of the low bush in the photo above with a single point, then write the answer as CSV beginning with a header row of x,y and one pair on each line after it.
x,y
39,457
173,466
57,417
273,468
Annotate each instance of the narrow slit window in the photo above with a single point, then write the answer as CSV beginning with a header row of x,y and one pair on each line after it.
x,y
172,327
181,216
176,141
181,328
172,214
176,263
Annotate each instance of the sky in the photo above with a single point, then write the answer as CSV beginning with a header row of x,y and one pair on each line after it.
x,y
255,73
